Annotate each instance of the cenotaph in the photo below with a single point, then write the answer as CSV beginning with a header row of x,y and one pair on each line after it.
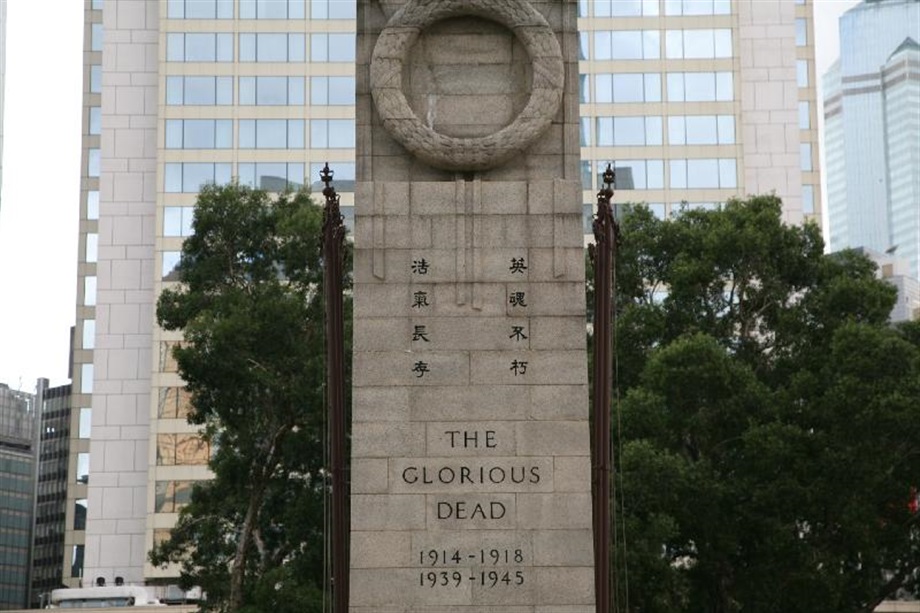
x,y
470,470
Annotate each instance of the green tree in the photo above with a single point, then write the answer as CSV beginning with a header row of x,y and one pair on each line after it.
x,y
771,422
250,311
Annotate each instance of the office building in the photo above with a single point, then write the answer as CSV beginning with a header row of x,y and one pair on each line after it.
x,y
51,491
17,494
697,101
896,270
694,101
872,131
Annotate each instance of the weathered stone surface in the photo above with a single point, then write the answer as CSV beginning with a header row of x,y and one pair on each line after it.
x,y
386,513
474,475
369,476
483,512
379,549
470,448
471,438
378,439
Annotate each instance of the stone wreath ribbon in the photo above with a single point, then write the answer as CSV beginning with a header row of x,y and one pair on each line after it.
x,y
466,154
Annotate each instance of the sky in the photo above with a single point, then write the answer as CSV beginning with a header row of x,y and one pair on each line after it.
x,y
41,185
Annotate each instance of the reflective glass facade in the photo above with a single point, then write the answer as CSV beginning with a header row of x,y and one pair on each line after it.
x,y
51,502
872,127
17,488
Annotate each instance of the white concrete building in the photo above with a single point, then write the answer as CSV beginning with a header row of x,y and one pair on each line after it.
x,y
694,101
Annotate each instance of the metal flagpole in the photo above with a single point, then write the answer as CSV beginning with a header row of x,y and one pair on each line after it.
x,y
602,254
333,255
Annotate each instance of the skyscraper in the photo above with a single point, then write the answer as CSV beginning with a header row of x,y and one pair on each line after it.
x,y
872,131
53,404
693,101
17,494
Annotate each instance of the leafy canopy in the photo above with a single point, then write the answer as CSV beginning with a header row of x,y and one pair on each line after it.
x,y
770,418
250,314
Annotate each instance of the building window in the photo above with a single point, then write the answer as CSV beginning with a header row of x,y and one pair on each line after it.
x,y
199,9
169,267
91,254
83,467
627,45
701,130
801,73
628,131
704,174
332,9
86,421
625,8
95,79
586,175
271,91
199,133
332,47
332,91
174,403
697,7
332,133
804,115
586,125
199,47
89,334
584,44
698,44
189,177
96,37
272,9
177,220
86,378
93,162
92,204
95,120
633,174
272,176
171,496
199,91
182,450
805,156
635,87
97,5
79,513
89,290
168,361
700,86
801,32
76,561
344,176
808,199
272,47
271,134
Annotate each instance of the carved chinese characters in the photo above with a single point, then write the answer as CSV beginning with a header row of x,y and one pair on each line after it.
x,y
470,461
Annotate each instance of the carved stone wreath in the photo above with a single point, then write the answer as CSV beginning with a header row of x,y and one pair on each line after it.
x,y
466,154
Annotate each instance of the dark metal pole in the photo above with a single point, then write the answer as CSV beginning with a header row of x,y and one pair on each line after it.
x,y
602,253
333,253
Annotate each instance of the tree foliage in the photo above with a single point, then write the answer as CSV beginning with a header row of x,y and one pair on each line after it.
x,y
770,418
250,313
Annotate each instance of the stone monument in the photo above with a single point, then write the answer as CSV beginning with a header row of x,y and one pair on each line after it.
x,y
470,474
